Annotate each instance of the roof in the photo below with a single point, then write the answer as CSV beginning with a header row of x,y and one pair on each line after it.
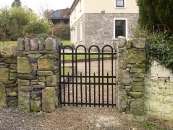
x,y
59,14
73,6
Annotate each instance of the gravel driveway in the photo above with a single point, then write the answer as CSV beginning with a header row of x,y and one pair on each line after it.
x,y
76,118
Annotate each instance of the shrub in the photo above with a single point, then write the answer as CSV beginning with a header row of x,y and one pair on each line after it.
x,y
43,35
62,31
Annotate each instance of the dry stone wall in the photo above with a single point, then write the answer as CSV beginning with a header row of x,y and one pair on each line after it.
x,y
159,92
8,76
29,75
130,73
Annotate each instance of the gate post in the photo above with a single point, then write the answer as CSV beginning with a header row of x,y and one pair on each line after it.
x,y
130,75
37,69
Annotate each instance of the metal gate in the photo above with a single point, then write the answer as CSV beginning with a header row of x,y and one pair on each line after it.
x,y
87,76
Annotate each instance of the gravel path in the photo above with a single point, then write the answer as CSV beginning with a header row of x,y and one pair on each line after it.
x,y
65,118
75,118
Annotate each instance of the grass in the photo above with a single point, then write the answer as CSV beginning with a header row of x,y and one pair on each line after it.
x,y
12,43
79,57
66,70
66,42
8,43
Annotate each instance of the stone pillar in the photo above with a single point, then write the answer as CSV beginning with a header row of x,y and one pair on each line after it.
x,y
8,76
37,68
130,73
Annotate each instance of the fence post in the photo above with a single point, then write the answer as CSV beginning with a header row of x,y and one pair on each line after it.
x,y
37,69
130,73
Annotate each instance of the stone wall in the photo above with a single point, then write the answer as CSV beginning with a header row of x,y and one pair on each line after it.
x,y
8,76
98,29
29,75
159,92
130,75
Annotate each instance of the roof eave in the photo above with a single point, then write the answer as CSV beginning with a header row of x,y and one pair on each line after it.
x,y
73,6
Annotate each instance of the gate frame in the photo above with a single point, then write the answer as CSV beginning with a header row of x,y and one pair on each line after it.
x,y
99,52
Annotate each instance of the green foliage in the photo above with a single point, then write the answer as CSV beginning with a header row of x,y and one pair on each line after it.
x,y
62,31
43,35
156,14
164,13
18,22
159,46
147,15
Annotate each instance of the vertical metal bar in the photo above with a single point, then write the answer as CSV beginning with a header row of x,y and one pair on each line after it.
x,y
102,78
99,75
89,56
76,75
107,90
60,94
112,57
94,90
73,76
68,90
81,87
63,74
86,77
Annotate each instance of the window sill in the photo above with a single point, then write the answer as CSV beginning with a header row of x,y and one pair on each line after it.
x,y
120,7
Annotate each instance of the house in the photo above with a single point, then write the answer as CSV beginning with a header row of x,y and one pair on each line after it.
x,y
58,16
99,22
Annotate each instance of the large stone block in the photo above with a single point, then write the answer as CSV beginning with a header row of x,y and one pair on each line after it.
x,y
20,44
7,52
44,73
34,44
48,99
133,56
138,43
122,41
3,101
51,80
23,82
122,100
4,74
135,94
45,64
35,105
23,65
137,107
49,44
24,101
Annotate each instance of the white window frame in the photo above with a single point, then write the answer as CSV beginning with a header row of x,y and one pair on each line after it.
x,y
81,31
75,34
125,19
80,6
74,12
120,6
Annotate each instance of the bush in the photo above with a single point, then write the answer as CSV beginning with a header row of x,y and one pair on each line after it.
x,y
62,31
43,35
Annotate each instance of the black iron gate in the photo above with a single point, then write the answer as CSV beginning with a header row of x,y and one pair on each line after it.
x,y
87,76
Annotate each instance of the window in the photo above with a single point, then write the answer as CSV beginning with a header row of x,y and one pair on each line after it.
x,y
81,31
120,28
120,3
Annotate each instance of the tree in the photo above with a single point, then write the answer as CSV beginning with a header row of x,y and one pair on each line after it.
x,y
147,17
164,13
153,13
16,3
18,22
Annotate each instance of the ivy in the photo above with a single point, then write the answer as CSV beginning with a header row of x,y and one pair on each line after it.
x,y
160,48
